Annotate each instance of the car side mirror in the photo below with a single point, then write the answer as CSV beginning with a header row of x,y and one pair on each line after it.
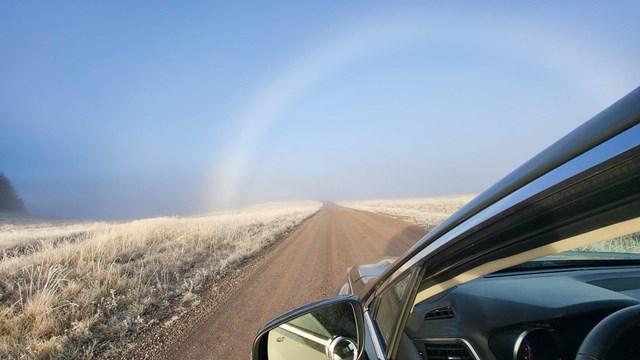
x,y
329,329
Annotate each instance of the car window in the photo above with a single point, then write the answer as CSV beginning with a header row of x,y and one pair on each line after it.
x,y
601,246
389,307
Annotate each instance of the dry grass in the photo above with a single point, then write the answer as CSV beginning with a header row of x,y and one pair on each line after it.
x,y
623,244
427,212
78,290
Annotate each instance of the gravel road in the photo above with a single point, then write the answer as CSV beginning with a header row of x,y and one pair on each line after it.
x,y
310,264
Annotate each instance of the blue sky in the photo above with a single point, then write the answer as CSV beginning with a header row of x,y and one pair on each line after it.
x,y
121,109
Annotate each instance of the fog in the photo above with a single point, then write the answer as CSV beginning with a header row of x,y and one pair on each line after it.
x,y
115,111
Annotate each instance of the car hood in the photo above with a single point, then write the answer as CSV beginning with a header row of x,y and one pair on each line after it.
x,y
361,275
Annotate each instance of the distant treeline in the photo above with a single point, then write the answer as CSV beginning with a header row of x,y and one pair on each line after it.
x,y
9,198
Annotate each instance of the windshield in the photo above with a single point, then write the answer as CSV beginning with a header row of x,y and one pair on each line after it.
x,y
618,250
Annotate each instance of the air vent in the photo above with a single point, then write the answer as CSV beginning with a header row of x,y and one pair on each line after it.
x,y
439,313
446,351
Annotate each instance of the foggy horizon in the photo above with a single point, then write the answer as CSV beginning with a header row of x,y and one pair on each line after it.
x,y
120,111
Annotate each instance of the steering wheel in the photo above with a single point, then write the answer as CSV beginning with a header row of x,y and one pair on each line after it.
x,y
600,340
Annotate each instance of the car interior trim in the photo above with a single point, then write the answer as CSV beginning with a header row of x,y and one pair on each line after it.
x,y
604,233
462,341
625,141
519,341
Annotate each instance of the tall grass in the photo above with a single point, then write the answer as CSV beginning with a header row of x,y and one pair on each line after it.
x,y
78,290
427,212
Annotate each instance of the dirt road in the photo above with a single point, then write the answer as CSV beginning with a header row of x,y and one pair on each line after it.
x,y
308,265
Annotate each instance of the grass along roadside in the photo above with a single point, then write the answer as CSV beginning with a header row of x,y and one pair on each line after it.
x,y
427,212
82,292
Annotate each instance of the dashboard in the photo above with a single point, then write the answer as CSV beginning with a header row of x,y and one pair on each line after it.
x,y
533,315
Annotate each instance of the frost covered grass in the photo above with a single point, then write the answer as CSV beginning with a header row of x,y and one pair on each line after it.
x,y
623,244
81,290
427,211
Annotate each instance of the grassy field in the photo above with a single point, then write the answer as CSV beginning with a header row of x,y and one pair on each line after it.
x,y
427,211
75,290
623,244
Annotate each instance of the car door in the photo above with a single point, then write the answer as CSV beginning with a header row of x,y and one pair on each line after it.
x,y
596,190
582,188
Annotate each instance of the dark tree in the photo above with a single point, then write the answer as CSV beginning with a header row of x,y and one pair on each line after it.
x,y
9,198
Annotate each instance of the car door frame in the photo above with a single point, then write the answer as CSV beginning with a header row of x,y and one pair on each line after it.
x,y
606,125
619,145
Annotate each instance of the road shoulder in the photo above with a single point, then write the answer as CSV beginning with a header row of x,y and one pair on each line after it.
x,y
174,327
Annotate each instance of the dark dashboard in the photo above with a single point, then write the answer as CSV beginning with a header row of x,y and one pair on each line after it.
x,y
523,315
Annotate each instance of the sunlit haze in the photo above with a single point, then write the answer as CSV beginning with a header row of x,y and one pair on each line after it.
x,y
114,110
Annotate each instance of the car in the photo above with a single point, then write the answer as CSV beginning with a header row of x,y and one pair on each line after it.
x,y
545,264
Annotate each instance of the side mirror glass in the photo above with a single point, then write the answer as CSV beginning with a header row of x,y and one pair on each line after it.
x,y
330,329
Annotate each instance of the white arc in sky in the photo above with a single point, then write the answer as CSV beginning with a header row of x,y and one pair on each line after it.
x,y
595,73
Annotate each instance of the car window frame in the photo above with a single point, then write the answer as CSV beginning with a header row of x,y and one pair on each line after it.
x,y
415,273
610,124
420,262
